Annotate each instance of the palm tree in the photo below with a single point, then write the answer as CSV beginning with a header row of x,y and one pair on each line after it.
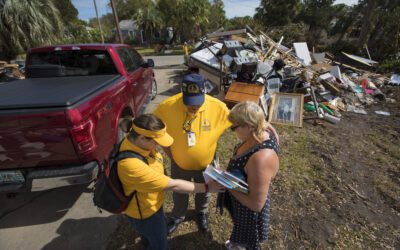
x,y
149,19
28,23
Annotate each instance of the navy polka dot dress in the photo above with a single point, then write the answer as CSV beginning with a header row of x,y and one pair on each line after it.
x,y
250,228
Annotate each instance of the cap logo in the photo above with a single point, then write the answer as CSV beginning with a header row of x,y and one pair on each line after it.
x,y
193,89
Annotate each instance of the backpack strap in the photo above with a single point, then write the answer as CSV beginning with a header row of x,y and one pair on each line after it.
x,y
132,154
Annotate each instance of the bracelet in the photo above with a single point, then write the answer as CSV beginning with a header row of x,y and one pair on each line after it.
x,y
206,187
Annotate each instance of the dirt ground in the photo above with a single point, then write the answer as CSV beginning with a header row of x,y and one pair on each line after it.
x,y
338,188
339,185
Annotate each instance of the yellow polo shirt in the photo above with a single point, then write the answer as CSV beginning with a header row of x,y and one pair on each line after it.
x,y
208,125
148,180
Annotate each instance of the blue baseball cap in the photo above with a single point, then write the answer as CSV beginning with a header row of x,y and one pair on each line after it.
x,y
193,90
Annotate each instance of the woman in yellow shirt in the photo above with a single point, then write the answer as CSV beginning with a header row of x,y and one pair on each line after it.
x,y
145,211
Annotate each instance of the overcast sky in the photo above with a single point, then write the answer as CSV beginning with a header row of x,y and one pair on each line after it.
x,y
232,7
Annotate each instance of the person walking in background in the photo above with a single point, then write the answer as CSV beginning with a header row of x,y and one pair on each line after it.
x,y
195,121
145,211
256,161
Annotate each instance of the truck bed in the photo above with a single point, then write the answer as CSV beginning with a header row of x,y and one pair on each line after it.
x,y
51,92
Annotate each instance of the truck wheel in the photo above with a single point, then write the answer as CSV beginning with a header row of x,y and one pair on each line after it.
x,y
153,89
121,135
124,125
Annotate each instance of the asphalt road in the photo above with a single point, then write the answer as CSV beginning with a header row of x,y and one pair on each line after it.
x,y
65,218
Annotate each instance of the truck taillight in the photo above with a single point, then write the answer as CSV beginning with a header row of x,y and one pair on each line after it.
x,y
83,137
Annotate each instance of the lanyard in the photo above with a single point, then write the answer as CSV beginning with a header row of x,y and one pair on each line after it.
x,y
187,125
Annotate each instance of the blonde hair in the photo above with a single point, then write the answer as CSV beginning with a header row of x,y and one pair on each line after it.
x,y
249,113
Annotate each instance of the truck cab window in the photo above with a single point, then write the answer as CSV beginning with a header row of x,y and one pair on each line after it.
x,y
137,58
127,60
70,63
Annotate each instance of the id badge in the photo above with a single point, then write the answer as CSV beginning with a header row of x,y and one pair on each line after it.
x,y
191,137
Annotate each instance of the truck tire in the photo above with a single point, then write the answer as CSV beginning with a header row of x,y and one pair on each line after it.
x,y
153,89
121,134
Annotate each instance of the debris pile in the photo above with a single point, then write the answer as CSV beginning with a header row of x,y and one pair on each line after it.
x,y
11,71
289,80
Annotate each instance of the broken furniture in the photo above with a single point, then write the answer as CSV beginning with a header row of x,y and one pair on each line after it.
x,y
240,91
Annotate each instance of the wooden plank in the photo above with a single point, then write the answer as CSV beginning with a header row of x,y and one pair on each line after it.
x,y
237,97
239,38
239,92
251,89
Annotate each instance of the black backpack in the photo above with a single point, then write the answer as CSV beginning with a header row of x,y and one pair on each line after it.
x,y
108,191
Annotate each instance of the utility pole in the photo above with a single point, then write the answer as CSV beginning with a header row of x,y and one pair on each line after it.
x,y
114,10
98,20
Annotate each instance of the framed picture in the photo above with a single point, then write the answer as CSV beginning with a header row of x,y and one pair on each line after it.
x,y
264,104
287,109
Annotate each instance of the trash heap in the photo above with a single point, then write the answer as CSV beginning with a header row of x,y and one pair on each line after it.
x,y
327,85
11,71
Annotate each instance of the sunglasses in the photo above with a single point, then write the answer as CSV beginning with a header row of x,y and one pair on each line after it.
x,y
148,138
234,127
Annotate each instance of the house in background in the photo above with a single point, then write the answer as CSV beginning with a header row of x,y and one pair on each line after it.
x,y
130,32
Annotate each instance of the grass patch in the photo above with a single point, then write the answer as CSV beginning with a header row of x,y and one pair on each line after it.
x,y
296,161
389,188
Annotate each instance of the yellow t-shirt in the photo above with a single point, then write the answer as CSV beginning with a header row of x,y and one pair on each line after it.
x,y
148,180
208,125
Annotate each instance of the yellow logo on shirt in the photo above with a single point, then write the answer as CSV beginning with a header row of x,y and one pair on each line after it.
x,y
205,125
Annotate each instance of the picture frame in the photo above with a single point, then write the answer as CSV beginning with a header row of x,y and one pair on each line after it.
x,y
287,109
264,104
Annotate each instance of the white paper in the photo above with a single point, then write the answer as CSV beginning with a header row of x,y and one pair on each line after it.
x,y
395,79
206,56
303,53
225,179
382,113
335,71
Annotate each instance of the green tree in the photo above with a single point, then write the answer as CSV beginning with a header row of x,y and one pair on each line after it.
x,y
217,18
128,8
293,32
188,18
77,33
107,25
149,20
28,23
277,12
242,22
382,34
375,24
68,10
343,18
318,15
368,8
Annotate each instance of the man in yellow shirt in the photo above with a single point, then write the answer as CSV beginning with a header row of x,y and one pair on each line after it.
x,y
195,121
148,180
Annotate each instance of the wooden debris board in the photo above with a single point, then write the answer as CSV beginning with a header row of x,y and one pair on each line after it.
x,y
240,91
328,84
321,67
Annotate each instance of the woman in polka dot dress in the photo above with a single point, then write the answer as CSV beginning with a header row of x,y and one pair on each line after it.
x,y
256,161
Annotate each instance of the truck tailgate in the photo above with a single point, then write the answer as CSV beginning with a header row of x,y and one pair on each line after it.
x,y
31,138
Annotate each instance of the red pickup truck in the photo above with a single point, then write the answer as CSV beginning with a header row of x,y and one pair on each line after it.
x,y
62,120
